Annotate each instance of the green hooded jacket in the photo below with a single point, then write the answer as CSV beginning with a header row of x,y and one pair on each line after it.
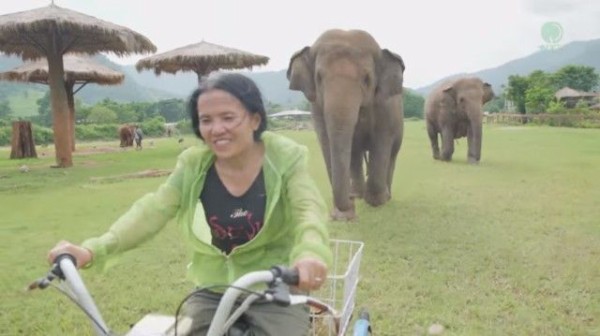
x,y
294,224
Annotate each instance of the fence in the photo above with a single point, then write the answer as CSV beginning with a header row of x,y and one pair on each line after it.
x,y
561,120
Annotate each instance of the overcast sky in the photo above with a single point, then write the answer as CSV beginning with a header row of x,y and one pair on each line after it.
x,y
435,38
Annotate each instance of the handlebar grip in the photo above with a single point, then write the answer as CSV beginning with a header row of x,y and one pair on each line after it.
x,y
56,270
288,275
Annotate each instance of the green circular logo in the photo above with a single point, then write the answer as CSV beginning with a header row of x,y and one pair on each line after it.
x,y
552,32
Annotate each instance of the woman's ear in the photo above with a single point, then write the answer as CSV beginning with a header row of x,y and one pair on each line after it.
x,y
255,119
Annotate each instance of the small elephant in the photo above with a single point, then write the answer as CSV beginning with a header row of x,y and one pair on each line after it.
x,y
454,110
126,133
355,90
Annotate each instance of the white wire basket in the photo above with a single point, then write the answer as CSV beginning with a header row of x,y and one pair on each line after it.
x,y
339,290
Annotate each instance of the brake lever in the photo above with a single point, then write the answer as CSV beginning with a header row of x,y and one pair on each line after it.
x,y
280,293
55,272
43,283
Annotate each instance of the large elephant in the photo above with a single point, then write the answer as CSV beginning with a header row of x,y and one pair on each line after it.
x,y
126,133
355,89
454,110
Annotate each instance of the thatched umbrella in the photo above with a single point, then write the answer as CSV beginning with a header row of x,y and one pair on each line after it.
x,y
79,70
201,58
50,32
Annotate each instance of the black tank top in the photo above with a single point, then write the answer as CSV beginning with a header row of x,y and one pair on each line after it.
x,y
233,220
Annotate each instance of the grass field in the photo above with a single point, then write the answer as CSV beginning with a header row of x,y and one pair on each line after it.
x,y
508,247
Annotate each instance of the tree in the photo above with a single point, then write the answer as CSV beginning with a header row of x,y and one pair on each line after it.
x,y
172,110
495,105
578,77
102,115
413,105
541,79
273,107
556,107
540,91
5,109
516,91
127,115
44,111
538,98
144,110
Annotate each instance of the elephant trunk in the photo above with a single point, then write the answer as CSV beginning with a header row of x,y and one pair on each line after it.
x,y
475,132
341,102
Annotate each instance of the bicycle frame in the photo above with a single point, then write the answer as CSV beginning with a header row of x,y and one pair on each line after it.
x,y
162,325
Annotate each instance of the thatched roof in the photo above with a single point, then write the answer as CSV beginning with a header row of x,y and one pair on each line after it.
x,y
23,33
78,69
567,92
201,58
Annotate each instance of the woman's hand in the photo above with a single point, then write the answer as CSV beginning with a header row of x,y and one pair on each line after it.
x,y
312,273
82,255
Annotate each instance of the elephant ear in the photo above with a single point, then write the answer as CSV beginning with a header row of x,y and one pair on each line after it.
x,y
299,73
449,90
449,100
488,93
391,75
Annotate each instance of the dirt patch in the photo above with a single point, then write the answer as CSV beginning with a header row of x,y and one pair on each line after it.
x,y
141,174
96,150
81,151
87,163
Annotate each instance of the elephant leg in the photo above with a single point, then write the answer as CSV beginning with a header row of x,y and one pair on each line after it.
x,y
433,138
377,192
474,133
356,169
381,148
390,176
447,143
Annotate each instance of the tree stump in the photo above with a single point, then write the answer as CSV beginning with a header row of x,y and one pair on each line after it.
x,y
23,145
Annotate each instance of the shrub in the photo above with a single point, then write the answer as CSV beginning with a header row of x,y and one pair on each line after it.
x,y
556,107
102,115
97,132
184,126
5,135
42,135
154,127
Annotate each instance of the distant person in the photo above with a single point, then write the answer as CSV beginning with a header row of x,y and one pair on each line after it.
x,y
138,135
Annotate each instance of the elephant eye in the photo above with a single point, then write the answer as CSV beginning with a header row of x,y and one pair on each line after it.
x,y
367,81
319,78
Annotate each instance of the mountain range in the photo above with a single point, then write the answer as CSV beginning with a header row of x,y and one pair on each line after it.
x,y
578,53
146,86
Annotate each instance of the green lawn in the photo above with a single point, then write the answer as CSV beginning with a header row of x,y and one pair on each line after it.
x,y
508,247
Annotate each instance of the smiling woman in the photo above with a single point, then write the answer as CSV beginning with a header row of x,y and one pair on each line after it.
x,y
244,201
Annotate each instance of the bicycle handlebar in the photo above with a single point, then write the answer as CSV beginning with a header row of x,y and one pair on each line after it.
x,y
65,269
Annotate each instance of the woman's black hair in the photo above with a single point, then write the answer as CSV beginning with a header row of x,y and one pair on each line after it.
x,y
239,86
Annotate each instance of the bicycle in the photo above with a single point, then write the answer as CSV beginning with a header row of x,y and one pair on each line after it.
x,y
339,290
